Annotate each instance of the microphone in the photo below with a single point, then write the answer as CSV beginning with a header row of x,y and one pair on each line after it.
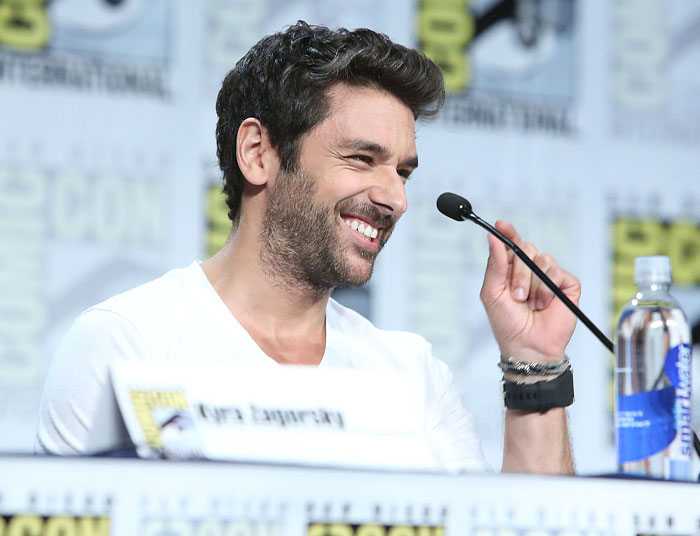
x,y
456,207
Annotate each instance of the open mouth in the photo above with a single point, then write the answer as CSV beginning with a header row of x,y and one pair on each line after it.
x,y
361,227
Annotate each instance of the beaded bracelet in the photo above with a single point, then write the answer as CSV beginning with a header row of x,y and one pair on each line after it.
x,y
511,366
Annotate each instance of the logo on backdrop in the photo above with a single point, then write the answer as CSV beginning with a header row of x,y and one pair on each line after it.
x,y
97,46
372,529
655,70
112,219
634,236
162,413
66,525
507,64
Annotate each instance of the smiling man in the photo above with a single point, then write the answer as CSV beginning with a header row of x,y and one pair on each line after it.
x,y
308,226
315,140
351,169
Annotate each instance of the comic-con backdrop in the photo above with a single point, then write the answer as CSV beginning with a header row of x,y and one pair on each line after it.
x,y
578,121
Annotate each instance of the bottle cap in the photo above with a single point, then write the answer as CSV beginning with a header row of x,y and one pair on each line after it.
x,y
652,269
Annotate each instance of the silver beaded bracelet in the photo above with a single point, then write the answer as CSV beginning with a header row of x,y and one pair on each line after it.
x,y
511,366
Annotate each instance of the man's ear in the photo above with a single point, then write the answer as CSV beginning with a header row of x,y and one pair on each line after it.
x,y
255,155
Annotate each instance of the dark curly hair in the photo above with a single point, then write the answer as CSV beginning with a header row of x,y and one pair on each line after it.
x,y
283,81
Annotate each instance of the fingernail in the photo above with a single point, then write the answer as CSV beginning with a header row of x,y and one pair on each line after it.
x,y
539,304
519,293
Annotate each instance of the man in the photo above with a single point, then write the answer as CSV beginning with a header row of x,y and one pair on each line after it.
x,y
316,140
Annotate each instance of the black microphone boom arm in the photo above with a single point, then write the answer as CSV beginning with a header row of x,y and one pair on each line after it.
x,y
456,207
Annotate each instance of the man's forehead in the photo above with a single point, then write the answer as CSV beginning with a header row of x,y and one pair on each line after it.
x,y
343,96
361,116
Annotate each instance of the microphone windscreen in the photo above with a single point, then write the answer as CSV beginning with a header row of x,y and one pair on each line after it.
x,y
454,206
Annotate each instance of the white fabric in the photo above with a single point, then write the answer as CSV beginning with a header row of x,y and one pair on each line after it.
x,y
180,317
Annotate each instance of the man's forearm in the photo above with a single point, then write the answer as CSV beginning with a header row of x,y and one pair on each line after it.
x,y
537,442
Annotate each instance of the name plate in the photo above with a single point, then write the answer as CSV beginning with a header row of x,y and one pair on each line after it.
x,y
282,414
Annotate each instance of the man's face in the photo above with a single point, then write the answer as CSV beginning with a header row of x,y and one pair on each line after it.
x,y
327,221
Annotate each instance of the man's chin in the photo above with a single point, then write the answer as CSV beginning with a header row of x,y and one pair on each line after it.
x,y
360,268
356,280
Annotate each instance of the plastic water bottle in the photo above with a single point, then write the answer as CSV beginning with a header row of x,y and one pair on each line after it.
x,y
653,433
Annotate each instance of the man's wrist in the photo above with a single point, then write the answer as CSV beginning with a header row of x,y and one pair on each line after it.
x,y
540,395
533,355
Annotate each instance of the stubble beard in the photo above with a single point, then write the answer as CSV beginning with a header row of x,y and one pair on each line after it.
x,y
301,238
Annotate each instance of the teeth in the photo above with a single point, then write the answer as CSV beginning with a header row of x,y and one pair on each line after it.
x,y
362,228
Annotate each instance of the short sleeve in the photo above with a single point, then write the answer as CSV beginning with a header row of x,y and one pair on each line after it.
x,y
78,412
451,435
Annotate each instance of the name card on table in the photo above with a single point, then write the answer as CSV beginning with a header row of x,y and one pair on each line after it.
x,y
282,414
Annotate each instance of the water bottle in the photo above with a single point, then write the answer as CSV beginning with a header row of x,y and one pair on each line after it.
x,y
653,435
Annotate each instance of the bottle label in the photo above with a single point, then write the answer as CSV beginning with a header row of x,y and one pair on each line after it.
x,y
645,423
648,422
678,367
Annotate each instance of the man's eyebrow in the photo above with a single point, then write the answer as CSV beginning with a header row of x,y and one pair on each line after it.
x,y
359,144
411,162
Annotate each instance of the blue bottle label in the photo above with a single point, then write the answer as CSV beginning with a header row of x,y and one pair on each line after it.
x,y
647,423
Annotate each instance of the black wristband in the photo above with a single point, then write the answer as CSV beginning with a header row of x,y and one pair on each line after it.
x,y
540,396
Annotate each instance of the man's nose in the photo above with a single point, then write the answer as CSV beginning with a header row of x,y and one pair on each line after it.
x,y
389,193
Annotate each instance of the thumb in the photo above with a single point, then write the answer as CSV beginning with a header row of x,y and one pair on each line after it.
x,y
495,277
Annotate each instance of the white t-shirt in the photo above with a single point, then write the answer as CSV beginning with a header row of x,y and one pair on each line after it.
x,y
180,317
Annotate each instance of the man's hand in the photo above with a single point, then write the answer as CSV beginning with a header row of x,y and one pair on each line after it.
x,y
530,324
528,321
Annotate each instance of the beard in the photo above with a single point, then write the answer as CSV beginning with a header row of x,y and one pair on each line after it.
x,y
302,238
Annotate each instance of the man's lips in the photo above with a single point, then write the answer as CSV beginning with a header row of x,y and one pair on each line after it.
x,y
361,226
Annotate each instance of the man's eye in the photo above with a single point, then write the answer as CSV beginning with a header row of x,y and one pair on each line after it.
x,y
362,158
405,173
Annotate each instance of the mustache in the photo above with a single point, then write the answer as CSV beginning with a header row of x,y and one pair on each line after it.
x,y
366,211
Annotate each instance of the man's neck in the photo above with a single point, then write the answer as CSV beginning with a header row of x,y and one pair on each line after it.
x,y
286,321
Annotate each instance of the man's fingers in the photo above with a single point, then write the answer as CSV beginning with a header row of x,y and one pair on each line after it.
x,y
540,295
497,270
521,280
507,229
506,272
517,275
510,232
497,265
